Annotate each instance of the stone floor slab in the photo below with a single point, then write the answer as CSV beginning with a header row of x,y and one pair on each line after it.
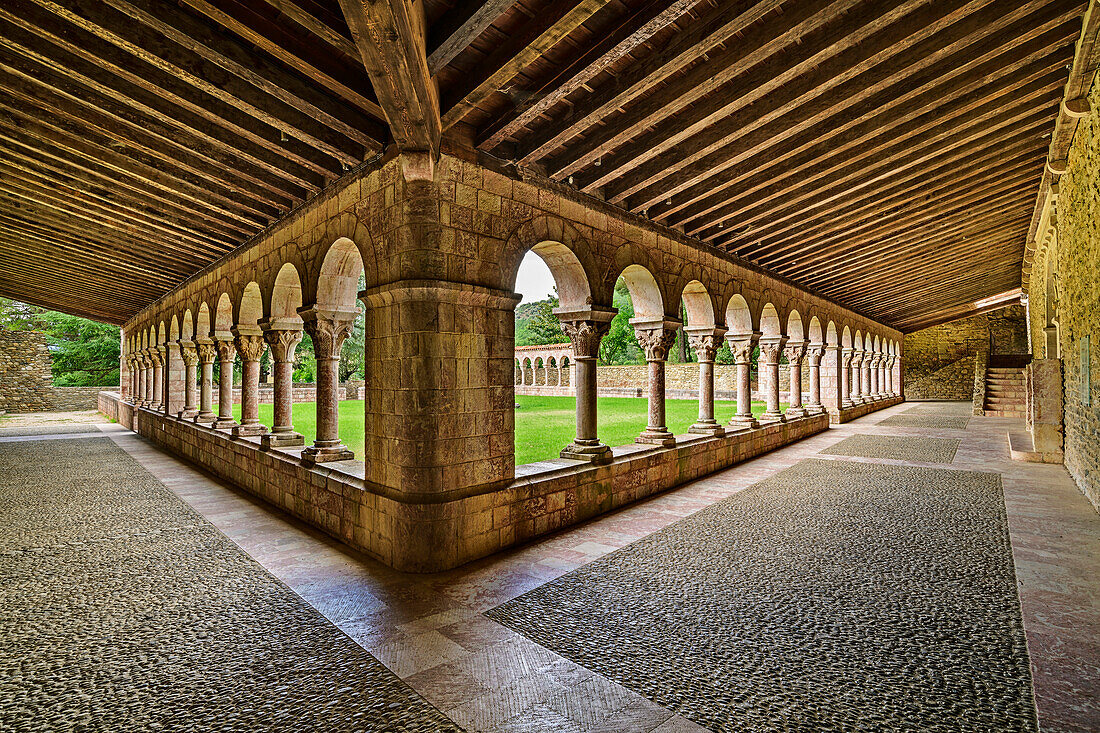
x,y
896,448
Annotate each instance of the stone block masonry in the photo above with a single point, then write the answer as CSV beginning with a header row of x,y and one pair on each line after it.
x,y
26,383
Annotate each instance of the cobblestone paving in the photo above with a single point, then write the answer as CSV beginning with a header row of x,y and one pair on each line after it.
x,y
897,448
12,432
965,409
835,596
121,609
908,420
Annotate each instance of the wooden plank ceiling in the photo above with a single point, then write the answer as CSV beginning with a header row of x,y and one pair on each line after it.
x,y
885,154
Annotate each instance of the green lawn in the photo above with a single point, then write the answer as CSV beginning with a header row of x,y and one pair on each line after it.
x,y
544,425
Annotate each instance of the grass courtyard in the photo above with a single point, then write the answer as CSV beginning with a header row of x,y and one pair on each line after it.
x,y
544,425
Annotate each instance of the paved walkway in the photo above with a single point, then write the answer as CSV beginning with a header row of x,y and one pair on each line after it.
x,y
431,632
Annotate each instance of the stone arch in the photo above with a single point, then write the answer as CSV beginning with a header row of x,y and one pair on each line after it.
x,y
160,336
739,318
202,323
770,325
795,330
250,307
699,305
223,313
187,326
831,336
566,253
286,295
814,333
310,258
846,338
337,283
173,329
644,292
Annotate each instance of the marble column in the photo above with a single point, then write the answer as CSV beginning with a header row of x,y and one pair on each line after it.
x,y
131,368
706,342
282,342
250,346
190,356
157,356
147,378
742,345
227,356
857,377
208,353
327,329
815,352
770,349
795,351
883,390
865,384
656,338
585,329
846,357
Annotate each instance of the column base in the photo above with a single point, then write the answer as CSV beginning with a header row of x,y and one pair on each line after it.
x,y
313,455
187,414
795,413
710,427
769,417
223,423
655,437
741,423
815,409
593,452
281,440
249,431
205,418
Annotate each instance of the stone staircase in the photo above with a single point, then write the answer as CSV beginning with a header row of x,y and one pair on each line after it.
x,y
1004,392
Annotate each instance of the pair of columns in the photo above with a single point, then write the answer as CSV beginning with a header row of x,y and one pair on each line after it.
x,y
771,349
587,328
327,328
866,377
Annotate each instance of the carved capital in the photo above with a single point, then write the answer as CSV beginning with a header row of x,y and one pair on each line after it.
x,y
585,336
655,341
208,352
250,347
794,352
815,352
770,349
846,356
156,357
283,342
227,350
706,343
189,354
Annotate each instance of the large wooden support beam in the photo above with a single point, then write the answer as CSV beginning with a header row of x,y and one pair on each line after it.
x,y
456,30
390,36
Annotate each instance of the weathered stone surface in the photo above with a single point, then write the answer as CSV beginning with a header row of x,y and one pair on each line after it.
x,y
918,420
836,596
142,616
25,378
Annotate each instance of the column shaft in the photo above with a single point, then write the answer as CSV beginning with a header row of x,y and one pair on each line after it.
x,y
250,346
585,329
327,329
656,338
227,356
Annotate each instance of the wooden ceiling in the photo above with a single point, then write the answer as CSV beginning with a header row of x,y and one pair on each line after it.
x,y
885,154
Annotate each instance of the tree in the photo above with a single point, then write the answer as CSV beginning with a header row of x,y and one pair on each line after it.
x,y
536,323
620,345
83,352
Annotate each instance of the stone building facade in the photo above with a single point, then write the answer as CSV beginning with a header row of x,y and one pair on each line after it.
x,y
438,484
939,361
1062,280
26,383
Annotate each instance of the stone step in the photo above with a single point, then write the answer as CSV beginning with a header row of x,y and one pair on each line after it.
x,y
1002,390
1004,413
1004,377
996,404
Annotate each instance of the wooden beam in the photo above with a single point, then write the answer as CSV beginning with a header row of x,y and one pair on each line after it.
x,y
390,36
635,30
537,36
715,27
459,27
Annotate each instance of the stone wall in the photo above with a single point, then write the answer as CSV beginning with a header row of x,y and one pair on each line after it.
x,y
939,361
26,384
1073,289
75,398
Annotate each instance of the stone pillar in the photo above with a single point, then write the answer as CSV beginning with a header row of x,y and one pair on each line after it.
x,y
741,345
207,353
250,345
656,338
585,329
1051,348
173,397
131,370
770,348
1044,389
879,382
794,351
846,358
706,341
227,356
891,382
157,356
865,384
857,376
190,356
147,379
328,329
815,352
282,342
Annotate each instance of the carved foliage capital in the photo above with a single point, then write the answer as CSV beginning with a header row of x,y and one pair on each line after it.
x,y
208,352
189,354
328,335
156,358
706,345
769,351
794,353
815,352
283,342
251,348
227,350
585,336
655,342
